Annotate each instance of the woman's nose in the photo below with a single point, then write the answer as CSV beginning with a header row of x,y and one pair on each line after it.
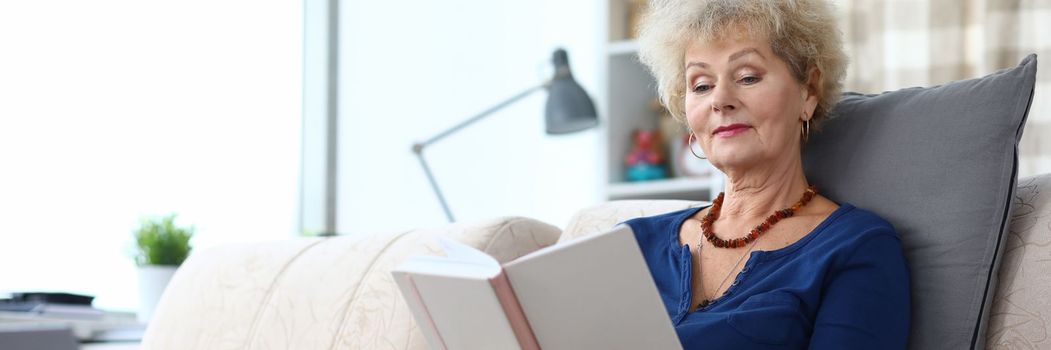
x,y
723,99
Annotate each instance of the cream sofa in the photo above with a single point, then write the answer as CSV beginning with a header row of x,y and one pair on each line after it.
x,y
337,293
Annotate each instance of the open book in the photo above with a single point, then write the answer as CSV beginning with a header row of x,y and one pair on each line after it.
x,y
594,292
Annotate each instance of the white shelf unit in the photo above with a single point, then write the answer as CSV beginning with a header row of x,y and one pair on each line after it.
x,y
625,99
673,188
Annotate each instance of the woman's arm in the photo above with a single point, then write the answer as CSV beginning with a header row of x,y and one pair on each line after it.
x,y
866,299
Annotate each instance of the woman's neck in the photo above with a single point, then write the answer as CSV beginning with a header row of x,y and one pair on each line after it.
x,y
758,192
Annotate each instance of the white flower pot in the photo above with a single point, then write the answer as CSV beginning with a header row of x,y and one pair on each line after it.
x,y
152,281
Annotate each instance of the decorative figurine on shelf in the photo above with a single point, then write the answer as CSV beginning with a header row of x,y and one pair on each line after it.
x,y
646,159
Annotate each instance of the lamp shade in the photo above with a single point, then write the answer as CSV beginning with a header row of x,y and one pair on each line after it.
x,y
569,109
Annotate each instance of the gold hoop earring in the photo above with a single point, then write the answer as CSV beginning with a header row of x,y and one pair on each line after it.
x,y
804,130
690,145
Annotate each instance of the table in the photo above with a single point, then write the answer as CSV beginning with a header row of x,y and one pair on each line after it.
x,y
112,331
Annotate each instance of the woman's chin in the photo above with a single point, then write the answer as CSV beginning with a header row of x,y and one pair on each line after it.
x,y
729,161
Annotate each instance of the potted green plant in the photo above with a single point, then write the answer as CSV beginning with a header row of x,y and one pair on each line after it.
x,y
161,247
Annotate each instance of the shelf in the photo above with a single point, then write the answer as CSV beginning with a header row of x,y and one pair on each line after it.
x,y
678,188
623,47
627,96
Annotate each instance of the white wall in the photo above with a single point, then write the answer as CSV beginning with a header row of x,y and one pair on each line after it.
x,y
412,68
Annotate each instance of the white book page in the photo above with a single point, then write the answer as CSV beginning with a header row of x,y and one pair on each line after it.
x,y
454,295
460,260
413,300
592,293
466,313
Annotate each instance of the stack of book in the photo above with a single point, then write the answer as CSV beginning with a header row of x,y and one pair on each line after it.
x,y
59,305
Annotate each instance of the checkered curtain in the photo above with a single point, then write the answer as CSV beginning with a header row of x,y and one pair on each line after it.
x,y
895,44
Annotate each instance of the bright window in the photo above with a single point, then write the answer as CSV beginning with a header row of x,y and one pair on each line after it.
x,y
111,110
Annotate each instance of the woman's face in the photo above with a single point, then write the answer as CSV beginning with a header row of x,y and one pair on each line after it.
x,y
743,103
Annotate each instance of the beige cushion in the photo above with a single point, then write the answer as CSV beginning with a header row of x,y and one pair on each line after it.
x,y
315,293
603,216
1022,307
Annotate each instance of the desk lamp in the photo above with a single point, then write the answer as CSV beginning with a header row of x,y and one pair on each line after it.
x,y
569,109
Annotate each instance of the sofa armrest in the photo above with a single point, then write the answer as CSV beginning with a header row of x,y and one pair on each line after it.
x,y
1020,310
315,293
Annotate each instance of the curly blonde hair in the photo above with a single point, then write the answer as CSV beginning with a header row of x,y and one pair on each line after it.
x,y
803,33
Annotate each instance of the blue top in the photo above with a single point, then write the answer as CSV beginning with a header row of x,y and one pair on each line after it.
x,y
844,285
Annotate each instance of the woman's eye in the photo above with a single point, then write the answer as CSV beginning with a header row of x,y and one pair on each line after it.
x,y
749,80
701,88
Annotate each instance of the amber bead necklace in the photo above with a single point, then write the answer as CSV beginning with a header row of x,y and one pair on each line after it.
x,y
749,239
778,215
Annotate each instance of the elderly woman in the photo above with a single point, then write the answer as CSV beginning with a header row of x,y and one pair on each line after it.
x,y
771,264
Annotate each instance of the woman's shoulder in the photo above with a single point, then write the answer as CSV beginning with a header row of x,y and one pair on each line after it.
x,y
850,226
861,221
651,230
861,241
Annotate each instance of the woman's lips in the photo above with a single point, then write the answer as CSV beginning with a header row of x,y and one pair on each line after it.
x,y
730,130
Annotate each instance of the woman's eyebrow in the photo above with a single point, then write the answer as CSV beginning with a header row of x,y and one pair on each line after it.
x,y
744,52
697,64
734,56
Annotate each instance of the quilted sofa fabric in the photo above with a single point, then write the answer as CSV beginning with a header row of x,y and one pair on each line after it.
x,y
334,293
1021,313
601,217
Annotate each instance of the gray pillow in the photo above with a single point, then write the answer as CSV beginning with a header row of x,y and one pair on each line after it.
x,y
940,164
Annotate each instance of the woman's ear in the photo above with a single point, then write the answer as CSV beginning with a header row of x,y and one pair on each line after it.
x,y
811,90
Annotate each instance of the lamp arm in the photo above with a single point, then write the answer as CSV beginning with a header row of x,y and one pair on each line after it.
x,y
434,185
481,115
418,147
